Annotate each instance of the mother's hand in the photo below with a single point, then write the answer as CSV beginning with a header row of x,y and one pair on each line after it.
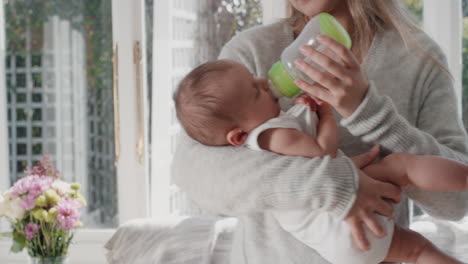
x,y
371,197
344,86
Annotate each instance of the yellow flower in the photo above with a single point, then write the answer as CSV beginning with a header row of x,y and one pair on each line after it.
x,y
41,201
51,215
52,197
76,186
39,214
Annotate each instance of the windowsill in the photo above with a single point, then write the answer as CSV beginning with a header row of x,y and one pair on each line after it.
x,y
87,248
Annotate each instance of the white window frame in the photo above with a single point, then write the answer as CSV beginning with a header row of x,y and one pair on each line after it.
x,y
128,26
161,112
443,21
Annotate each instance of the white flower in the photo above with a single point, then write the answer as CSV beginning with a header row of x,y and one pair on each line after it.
x,y
61,187
10,206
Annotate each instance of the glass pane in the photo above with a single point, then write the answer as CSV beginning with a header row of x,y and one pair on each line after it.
x,y
415,8
199,30
465,63
58,67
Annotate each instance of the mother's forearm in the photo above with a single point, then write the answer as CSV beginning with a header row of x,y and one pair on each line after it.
x,y
236,180
377,121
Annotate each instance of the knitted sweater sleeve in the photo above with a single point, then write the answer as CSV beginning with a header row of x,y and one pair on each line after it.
x,y
237,180
439,131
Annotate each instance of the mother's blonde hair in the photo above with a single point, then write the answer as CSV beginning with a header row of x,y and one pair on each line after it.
x,y
369,17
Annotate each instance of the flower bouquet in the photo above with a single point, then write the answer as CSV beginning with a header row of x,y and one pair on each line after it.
x,y
43,211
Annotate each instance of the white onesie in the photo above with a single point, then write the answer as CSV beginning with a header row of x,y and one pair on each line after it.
x,y
329,236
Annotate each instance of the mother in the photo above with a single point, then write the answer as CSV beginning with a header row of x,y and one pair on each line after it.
x,y
393,90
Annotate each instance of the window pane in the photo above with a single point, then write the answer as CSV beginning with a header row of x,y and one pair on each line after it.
x,y
199,29
58,66
415,8
465,63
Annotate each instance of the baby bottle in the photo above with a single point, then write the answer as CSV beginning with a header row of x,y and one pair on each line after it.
x,y
283,73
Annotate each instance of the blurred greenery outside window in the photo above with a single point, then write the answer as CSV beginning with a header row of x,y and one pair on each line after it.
x,y
465,63
416,7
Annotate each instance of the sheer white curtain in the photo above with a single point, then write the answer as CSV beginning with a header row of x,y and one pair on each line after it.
x,y
174,52
443,21
4,181
65,118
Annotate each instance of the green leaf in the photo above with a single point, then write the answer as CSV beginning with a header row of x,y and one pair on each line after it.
x,y
16,247
19,242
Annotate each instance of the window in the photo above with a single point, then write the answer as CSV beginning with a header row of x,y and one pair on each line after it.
x,y
59,96
442,21
415,8
186,33
57,82
465,63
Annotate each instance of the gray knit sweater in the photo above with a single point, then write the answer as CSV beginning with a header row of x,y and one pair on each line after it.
x,y
410,107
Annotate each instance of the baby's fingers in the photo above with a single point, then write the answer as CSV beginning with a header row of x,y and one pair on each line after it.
x,y
325,109
305,99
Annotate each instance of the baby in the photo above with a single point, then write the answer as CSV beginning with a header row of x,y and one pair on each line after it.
x,y
220,103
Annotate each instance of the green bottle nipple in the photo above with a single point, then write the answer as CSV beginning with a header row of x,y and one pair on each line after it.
x,y
282,82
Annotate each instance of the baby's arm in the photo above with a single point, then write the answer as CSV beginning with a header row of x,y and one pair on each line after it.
x,y
327,137
291,142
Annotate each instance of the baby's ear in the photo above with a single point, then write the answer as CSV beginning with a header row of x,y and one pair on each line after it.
x,y
236,137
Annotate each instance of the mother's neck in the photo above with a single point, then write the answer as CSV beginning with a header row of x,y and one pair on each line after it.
x,y
343,15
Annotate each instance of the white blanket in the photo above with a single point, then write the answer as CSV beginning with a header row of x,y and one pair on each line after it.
x,y
177,240
207,240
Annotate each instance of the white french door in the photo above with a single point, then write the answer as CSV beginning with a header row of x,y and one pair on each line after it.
x,y
71,85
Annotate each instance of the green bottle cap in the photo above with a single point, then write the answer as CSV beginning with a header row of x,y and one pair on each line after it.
x,y
332,28
282,81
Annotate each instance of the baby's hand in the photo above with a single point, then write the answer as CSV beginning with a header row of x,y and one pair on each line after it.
x,y
305,99
325,110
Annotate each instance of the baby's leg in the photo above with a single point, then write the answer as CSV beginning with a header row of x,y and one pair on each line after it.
x,y
410,246
425,172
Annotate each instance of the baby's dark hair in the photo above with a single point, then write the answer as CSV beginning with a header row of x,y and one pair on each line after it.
x,y
201,108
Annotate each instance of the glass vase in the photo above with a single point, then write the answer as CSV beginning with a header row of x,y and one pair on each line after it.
x,y
48,260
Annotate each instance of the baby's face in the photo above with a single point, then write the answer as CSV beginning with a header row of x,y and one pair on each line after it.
x,y
252,96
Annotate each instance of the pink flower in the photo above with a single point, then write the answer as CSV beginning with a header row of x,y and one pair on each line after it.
x,y
30,187
68,213
44,167
33,185
28,203
30,230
